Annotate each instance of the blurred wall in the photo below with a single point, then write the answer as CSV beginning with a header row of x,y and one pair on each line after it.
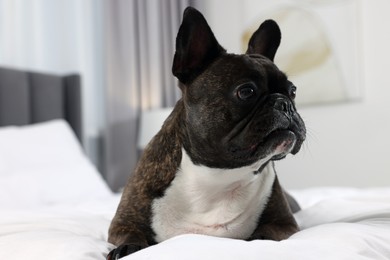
x,y
348,143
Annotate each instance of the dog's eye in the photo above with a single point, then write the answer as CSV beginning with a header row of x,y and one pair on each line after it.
x,y
246,91
293,91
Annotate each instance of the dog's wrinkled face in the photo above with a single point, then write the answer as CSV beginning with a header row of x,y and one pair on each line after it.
x,y
247,113
239,108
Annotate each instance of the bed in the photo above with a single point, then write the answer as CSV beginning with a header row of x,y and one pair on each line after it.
x,y
55,205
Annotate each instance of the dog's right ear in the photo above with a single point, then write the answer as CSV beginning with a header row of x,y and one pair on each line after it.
x,y
265,40
196,46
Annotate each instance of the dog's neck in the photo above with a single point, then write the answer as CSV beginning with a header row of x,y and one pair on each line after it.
x,y
220,177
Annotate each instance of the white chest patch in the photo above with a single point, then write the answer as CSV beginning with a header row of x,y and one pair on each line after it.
x,y
217,202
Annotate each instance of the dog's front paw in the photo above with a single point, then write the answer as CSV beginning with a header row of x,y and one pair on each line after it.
x,y
123,250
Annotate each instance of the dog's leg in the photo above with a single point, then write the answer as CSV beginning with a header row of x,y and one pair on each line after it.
x,y
123,250
128,239
129,230
277,221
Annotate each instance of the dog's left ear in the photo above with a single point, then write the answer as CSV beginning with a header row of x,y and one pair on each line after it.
x,y
196,46
265,40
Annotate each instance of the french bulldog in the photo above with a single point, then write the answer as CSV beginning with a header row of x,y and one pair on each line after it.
x,y
210,169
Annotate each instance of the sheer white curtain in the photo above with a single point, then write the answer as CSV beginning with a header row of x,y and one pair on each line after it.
x,y
59,36
140,40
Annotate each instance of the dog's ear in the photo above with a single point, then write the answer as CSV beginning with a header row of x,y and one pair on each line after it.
x,y
265,40
196,46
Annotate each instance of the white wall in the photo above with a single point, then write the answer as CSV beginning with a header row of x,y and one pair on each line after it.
x,y
347,144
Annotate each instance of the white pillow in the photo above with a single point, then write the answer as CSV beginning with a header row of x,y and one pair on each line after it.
x,y
44,164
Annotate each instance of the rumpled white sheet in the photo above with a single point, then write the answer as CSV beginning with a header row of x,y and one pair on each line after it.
x,y
337,224
67,231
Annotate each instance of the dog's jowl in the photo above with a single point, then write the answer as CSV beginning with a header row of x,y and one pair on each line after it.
x,y
210,169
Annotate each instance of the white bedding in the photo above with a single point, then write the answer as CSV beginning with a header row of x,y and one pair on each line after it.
x,y
67,216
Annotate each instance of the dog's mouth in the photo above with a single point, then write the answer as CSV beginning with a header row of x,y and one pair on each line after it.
x,y
279,143
276,145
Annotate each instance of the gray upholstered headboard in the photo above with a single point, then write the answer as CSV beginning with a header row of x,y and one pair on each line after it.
x,y
30,97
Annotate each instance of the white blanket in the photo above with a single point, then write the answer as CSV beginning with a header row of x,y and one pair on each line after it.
x,y
57,232
337,224
348,224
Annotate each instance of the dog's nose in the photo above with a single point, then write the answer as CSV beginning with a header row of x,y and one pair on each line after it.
x,y
284,105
